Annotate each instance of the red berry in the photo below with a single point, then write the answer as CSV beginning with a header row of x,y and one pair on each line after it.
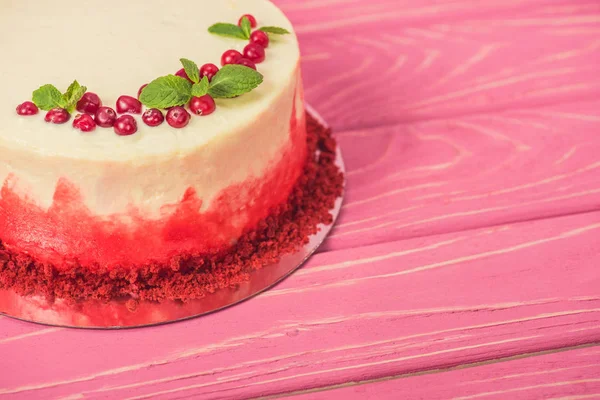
x,y
204,105
260,38
247,63
84,122
141,89
89,103
254,53
178,117
253,22
105,117
58,116
128,104
125,125
153,117
27,108
208,70
183,74
231,57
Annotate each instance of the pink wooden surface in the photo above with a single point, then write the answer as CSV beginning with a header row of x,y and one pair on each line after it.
x,y
563,375
471,231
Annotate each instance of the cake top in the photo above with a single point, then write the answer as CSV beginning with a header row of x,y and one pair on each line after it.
x,y
114,47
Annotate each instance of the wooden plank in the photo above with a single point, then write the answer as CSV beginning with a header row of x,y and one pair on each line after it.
x,y
380,74
315,16
447,175
358,314
573,374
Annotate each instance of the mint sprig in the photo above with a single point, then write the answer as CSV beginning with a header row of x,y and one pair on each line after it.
x,y
230,81
228,30
275,30
167,91
234,80
48,97
246,26
201,88
191,69
244,30
73,94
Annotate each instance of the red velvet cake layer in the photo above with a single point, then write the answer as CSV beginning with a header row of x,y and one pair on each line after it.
x,y
197,269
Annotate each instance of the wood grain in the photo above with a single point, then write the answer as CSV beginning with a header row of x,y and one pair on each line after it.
x,y
383,74
563,375
470,232
358,314
446,175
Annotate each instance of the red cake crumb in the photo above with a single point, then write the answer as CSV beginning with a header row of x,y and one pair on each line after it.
x,y
192,276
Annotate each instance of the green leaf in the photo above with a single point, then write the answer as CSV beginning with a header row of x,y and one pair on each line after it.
x,y
229,30
275,30
201,88
234,80
191,69
72,96
47,97
246,26
167,91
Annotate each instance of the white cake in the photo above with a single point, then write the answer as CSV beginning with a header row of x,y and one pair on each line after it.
x,y
113,47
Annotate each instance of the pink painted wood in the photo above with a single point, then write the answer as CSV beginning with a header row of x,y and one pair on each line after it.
x,y
553,376
471,231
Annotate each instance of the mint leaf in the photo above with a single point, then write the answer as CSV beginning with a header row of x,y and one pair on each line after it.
x,y
234,80
229,30
191,69
246,27
72,96
275,30
47,97
201,88
167,91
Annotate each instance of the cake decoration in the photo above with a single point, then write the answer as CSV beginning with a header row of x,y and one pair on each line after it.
x,y
84,122
89,103
192,86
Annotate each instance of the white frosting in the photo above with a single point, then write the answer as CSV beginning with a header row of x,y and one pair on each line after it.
x,y
113,47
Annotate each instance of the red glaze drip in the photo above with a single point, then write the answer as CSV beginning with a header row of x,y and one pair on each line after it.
x,y
68,233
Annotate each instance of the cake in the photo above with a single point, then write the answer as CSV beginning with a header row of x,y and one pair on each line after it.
x,y
196,168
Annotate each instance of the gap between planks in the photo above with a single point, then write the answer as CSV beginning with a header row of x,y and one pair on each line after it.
x,y
430,372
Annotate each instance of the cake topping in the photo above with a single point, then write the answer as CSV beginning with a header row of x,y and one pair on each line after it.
x,y
243,30
128,104
208,70
49,97
105,117
178,117
84,122
231,57
254,53
260,38
140,90
125,125
89,103
247,63
57,116
169,91
27,108
153,117
196,87
248,17
274,30
204,105
182,74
